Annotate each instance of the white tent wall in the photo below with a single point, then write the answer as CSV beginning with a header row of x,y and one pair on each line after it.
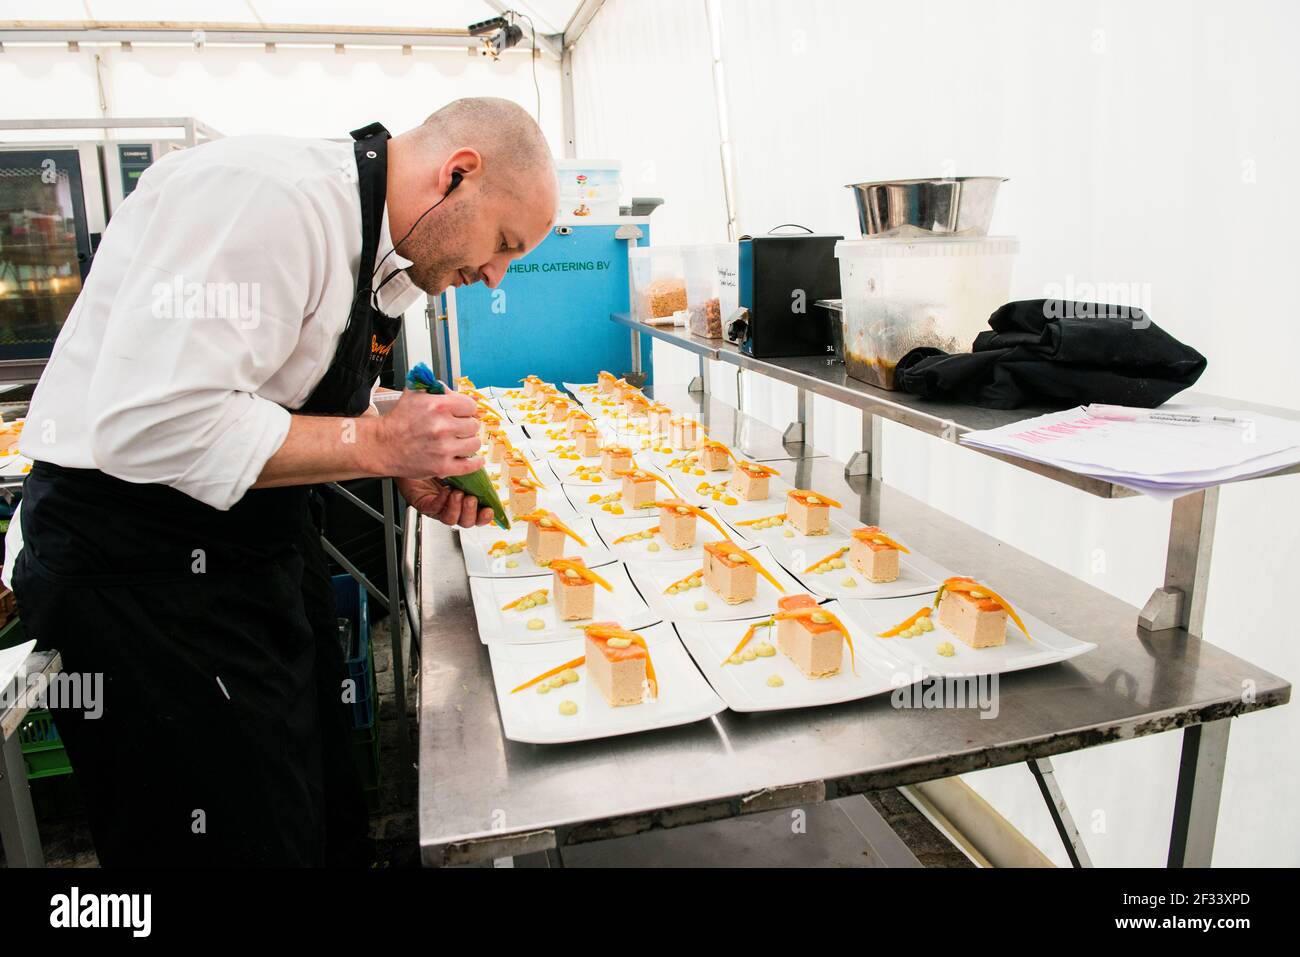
x,y
1148,147
643,93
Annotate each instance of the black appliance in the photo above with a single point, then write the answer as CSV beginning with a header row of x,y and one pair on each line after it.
x,y
782,275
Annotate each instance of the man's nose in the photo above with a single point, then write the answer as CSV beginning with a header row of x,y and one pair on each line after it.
x,y
491,276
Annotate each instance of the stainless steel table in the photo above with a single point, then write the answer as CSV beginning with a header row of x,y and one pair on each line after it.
x,y
483,797
18,834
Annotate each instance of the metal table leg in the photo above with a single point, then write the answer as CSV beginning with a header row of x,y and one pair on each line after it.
x,y
400,670
1041,769
1181,602
1196,803
700,383
18,834
800,431
867,461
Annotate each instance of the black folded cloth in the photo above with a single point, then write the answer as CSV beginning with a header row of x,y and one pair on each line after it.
x,y
1058,352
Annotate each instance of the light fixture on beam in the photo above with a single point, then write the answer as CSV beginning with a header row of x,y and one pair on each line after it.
x,y
497,34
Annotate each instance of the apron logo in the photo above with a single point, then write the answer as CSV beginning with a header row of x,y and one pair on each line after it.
x,y
379,350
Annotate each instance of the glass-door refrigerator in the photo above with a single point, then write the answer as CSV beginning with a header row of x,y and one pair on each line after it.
x,y
51,205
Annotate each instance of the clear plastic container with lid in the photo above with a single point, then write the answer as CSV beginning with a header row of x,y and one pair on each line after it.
x,y
901,294
658,278
707,294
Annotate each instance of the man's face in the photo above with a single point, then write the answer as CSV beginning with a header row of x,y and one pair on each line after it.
x,y
480,232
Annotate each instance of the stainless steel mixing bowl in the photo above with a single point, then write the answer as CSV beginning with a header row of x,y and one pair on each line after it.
x,y
956,206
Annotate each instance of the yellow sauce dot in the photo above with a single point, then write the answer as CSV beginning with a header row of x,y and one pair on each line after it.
x,y
568,708
775,681
536,624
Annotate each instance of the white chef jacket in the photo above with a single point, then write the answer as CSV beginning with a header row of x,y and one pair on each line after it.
x,y
215,305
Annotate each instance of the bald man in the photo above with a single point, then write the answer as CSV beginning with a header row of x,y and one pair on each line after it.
x,y
221,359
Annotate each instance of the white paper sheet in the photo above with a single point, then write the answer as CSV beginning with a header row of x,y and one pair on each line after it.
x,y
1158,458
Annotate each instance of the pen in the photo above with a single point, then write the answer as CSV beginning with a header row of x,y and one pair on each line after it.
x,y
1120,413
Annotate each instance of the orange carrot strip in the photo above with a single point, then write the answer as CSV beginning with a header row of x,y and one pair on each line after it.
x,y
802,495
540,514
678,503
575,663
678,584
758,567
829,558
561,565
877,537
906,623
749,633
755,521
515,603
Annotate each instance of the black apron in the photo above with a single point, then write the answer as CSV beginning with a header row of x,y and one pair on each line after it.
x,y
223,738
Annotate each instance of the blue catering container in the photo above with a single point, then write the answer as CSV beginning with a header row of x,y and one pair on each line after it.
x,y
550,315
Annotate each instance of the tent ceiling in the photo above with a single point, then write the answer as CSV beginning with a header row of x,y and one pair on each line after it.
x,y
551,16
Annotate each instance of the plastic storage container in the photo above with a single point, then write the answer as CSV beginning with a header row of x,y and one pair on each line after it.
x,y
658,276
711,293
903,294
589,188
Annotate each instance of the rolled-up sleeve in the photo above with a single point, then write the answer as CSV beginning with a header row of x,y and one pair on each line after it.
x,y
227,268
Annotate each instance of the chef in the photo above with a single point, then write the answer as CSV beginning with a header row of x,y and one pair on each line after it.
x,y
219,360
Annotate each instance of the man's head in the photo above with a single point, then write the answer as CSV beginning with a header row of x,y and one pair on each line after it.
x,y
503,206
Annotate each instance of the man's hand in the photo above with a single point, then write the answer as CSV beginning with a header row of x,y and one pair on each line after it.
x,y
424,435
450,506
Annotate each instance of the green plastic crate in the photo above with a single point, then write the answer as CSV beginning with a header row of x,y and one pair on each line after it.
x,y
43,753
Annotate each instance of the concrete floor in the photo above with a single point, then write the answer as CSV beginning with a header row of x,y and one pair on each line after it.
x,y
877,830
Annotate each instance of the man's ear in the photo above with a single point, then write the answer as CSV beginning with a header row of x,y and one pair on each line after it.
x,y
465,161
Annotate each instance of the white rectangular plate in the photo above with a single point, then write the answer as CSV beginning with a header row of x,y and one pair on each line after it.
x,y
579,495
623,605
744,687
742,511
1049,644
477,542
653,577
684,696
917,575
584,392
637,551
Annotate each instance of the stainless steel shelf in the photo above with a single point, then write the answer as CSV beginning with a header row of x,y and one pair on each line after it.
x,y
483,797
946,420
